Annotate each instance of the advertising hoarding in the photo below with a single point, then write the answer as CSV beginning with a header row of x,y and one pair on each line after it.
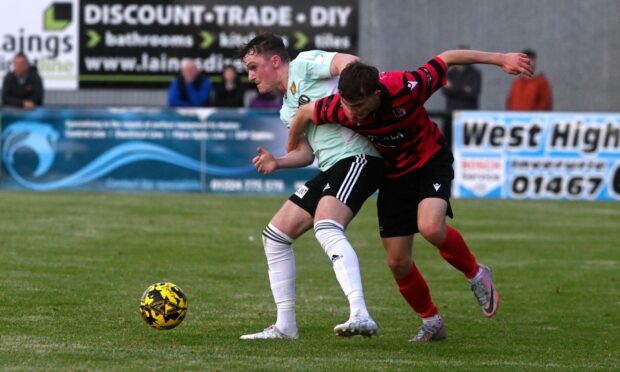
x,y
194,150
47,33
142,44
531,155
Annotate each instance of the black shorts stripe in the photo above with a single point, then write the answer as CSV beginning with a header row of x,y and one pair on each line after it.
x,y
332,181
352,176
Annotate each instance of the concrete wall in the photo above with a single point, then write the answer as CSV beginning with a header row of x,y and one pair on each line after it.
x,y
578,44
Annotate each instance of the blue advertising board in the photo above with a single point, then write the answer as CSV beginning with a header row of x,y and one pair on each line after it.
x,y
530,155
196,150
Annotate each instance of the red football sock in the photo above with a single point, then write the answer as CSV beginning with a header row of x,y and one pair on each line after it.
x,y
414,289
455,251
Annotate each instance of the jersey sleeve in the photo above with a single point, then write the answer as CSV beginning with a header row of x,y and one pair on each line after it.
x,y
317,63
329,110
287,113
427,79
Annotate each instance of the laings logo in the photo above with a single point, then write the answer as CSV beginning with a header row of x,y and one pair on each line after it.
x,y
57,16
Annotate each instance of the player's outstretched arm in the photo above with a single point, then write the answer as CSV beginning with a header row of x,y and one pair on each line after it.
x,y
511,63
302,117
340,61
301,156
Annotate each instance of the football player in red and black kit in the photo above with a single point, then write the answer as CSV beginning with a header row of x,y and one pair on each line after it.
x,y
388,108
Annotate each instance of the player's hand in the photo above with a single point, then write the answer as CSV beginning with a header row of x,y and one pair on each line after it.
x,y
517,63
264,162
29,104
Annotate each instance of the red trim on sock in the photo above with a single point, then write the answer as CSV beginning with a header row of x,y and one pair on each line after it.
x,y
455,251
414,289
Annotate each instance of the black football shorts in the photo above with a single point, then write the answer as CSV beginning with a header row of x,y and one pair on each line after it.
x,y
351,180
397,204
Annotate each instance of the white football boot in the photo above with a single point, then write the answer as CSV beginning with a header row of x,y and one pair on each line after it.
x,y
270,333
365,327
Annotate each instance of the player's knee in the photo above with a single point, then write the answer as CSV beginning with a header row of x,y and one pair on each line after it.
x,y
274,238
432,231
328,232
399,265
265,237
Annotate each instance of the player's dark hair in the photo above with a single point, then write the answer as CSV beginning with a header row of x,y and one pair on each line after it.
x,y
267,44
358,81
530,53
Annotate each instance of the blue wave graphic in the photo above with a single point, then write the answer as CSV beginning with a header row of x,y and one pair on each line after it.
x,y
41,138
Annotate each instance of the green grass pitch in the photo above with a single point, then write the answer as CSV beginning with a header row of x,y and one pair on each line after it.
x,y
74,265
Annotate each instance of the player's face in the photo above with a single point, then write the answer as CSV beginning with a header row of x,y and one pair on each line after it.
x,y
261,71
358,110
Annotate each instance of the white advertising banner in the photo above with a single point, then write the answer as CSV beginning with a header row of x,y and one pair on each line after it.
x,y
531,155
46,32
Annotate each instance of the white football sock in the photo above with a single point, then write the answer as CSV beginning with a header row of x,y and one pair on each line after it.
x,y
330,235
282,272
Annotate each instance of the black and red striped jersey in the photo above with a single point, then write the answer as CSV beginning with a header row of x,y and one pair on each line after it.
x,y
400,129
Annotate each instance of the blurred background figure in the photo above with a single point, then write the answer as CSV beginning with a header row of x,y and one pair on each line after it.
x,y
462,92
530,94
230,92
462,89
22,87
191,89
266,100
